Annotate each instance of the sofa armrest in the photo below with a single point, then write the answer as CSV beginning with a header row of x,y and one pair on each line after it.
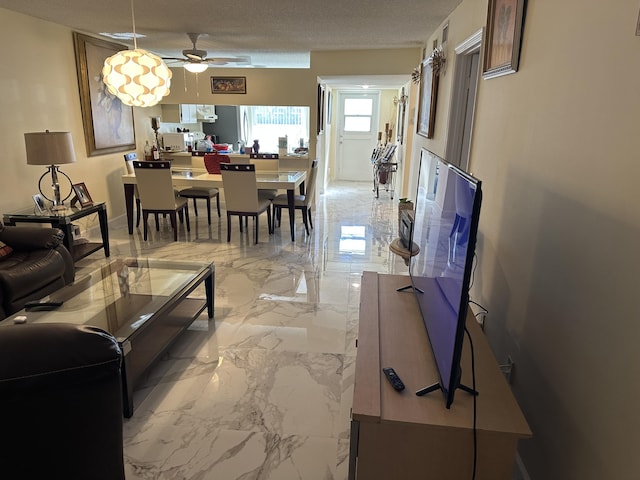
x,y
31,238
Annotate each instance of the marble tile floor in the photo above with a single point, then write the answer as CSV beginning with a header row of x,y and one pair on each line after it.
x,y
264,390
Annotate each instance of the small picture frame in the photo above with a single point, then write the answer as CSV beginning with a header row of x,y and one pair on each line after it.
x,y
228,84
82,195
39,201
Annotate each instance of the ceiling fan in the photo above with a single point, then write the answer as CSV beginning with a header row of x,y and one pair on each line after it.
x,y
196,60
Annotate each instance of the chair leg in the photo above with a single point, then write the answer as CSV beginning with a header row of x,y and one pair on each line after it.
x,y
209,209
309,214
157,223
269,221
240,222
255,226
138,212
304,219
146,225
229,227
195,207
218,204
173,217
186,216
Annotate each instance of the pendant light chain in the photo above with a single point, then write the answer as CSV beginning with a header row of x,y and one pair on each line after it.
x,y
133,20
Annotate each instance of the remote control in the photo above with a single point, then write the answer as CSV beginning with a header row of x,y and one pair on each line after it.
x,y
393,378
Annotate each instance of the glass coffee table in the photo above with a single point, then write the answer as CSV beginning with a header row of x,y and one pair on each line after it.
x,y
144,303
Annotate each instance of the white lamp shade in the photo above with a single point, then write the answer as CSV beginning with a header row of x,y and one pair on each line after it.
x,y
137,77
49,148
196,67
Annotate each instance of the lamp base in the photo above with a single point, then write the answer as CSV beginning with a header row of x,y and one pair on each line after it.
x,y
57,198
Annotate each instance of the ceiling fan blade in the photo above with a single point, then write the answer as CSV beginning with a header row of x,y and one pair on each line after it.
x,y
225,60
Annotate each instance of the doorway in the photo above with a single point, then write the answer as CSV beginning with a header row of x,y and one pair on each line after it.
x,y
356,135
463,101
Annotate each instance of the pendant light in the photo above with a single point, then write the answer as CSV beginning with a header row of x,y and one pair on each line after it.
x,y
137,77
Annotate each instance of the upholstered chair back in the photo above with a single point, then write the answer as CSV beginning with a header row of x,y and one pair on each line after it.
x,y
155,185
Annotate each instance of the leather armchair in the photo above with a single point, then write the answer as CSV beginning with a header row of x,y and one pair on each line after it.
x,y
60,402
38,265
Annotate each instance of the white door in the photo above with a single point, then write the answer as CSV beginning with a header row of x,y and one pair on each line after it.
x,y
357,134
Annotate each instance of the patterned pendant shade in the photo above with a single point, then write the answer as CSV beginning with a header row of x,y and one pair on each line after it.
x,y
137,77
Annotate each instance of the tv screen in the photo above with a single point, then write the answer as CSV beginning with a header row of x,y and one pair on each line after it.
x,y
447,211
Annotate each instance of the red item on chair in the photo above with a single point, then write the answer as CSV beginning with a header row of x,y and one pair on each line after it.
x,y
212,161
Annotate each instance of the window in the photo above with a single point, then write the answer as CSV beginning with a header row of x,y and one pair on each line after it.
x,y
357,114
268,123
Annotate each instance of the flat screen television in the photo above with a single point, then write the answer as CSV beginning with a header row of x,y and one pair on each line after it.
x,y
445,226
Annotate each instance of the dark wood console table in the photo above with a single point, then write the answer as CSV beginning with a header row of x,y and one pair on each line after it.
x,y
63,220
424,439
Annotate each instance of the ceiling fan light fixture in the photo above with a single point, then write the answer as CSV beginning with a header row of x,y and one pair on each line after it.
x,y
137,77
196,67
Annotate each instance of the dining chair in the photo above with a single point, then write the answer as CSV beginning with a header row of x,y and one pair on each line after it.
x,y
128,162
212,164
241,195
266,165
302,202
158,196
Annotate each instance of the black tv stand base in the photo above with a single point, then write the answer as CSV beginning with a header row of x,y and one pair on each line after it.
x,y
436,386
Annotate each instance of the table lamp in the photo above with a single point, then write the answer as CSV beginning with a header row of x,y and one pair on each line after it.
x,y
52,149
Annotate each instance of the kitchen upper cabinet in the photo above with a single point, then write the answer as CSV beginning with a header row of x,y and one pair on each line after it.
x,y
188,113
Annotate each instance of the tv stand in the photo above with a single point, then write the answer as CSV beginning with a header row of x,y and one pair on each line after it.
x,y
420,433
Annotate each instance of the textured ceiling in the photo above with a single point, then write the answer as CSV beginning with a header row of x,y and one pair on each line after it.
x,y
276,33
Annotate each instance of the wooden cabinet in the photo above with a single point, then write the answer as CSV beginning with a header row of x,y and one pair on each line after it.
x,y
422,436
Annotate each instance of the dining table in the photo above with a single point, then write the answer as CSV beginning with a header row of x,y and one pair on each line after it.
x,y
192,177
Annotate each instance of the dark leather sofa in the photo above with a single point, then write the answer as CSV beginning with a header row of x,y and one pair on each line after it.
x,y
38,265
60,403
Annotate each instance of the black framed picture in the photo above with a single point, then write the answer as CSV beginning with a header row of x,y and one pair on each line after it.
x,y
228,84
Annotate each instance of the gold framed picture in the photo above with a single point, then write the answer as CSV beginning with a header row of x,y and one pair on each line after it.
x,y
108,123
428,98
502,41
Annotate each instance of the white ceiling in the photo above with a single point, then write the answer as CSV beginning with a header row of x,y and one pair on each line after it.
x,y
274,33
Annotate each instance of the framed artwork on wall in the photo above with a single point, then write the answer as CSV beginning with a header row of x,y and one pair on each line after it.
x,y
320,113
228,84
108,123
502,41
428,99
